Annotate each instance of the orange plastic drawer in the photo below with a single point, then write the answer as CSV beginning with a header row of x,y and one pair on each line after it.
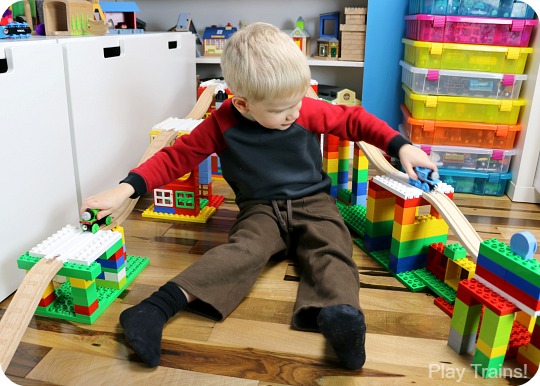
x,y
455,133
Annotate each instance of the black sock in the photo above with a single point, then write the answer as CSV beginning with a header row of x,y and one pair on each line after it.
x,y
345,329
143,323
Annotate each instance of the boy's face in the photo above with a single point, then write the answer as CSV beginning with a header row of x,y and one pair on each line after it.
x,y
277,114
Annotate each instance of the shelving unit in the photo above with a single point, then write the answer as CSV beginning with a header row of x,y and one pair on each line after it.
x,y
161,15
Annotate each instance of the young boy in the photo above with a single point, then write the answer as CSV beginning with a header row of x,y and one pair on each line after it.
x,y
267,139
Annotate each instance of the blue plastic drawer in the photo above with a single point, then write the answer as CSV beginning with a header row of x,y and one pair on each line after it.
x,y
514,9
468,181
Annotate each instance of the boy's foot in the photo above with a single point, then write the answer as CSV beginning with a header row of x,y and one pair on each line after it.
x,y
345,328
143,323
143,327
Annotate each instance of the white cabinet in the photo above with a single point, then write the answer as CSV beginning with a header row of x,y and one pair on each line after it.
x,y
119,87
38,182
76,117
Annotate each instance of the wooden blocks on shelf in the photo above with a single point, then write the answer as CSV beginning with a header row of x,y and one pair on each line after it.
x,y
353,34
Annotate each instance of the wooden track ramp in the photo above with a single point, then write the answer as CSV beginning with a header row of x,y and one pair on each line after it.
x,y
23,305
455,219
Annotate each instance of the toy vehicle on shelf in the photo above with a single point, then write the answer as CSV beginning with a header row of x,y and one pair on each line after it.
x,y
89,222
15,30
427,179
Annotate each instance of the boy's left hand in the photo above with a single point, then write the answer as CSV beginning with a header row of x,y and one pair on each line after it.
x,y
411,156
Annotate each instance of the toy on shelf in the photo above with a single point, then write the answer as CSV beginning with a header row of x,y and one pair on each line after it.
x,y
328,42
184,24
70,18
353,34
121,17
15,30
300,36
215,38
89,221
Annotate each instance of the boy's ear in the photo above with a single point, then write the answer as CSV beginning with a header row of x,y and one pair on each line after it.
x,y
240,104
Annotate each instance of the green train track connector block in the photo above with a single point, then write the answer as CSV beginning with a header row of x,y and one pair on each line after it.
x,y
438,287
411,281
77,271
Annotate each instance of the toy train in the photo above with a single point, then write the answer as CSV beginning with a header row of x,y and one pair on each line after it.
x,y
427,179
15,30
89,221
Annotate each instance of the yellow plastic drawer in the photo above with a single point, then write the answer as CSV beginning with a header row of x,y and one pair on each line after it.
x,y
455,133
468,57
464,109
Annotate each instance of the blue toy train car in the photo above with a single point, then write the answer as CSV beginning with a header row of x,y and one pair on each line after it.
x,y
427,179
15,30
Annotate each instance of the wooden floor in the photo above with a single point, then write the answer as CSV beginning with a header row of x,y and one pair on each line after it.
x,y
406,340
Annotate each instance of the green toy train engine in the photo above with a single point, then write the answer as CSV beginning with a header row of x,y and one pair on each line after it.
x,y
89,222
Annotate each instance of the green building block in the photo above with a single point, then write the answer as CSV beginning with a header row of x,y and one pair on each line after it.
x,y
500,253
380,228
433,283
354,216
485,366
77,271
455,251
411,281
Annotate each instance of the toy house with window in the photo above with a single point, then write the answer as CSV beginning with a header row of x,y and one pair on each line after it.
x,y
215,38
121,16
328,42
300,36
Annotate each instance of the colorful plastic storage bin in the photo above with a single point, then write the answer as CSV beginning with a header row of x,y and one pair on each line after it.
x,y
461,83
469,158
468,181
469,30
455,133
486,8
464,109
467,57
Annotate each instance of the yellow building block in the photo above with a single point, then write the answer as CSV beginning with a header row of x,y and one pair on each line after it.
x,y
530,352
380,209
491,352
80,283
49,290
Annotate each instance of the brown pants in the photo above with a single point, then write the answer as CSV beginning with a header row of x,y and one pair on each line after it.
x,y
310,229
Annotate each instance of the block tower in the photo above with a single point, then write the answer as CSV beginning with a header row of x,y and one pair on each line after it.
x,y
504,284
393,222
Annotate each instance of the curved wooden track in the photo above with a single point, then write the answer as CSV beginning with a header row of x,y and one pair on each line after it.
x,y
26,299
23,305
455,219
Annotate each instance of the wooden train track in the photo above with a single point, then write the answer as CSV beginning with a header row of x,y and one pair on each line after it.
x,y
455,219
23,305
25,301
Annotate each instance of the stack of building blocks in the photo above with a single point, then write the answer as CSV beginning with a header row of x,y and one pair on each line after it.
x,y
360,177
336,162
392,222
353,34
504,284
96,267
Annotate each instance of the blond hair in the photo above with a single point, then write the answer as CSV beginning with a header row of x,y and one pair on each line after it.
x,y
262,63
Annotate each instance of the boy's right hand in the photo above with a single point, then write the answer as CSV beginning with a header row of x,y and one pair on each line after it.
x,y
108,201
